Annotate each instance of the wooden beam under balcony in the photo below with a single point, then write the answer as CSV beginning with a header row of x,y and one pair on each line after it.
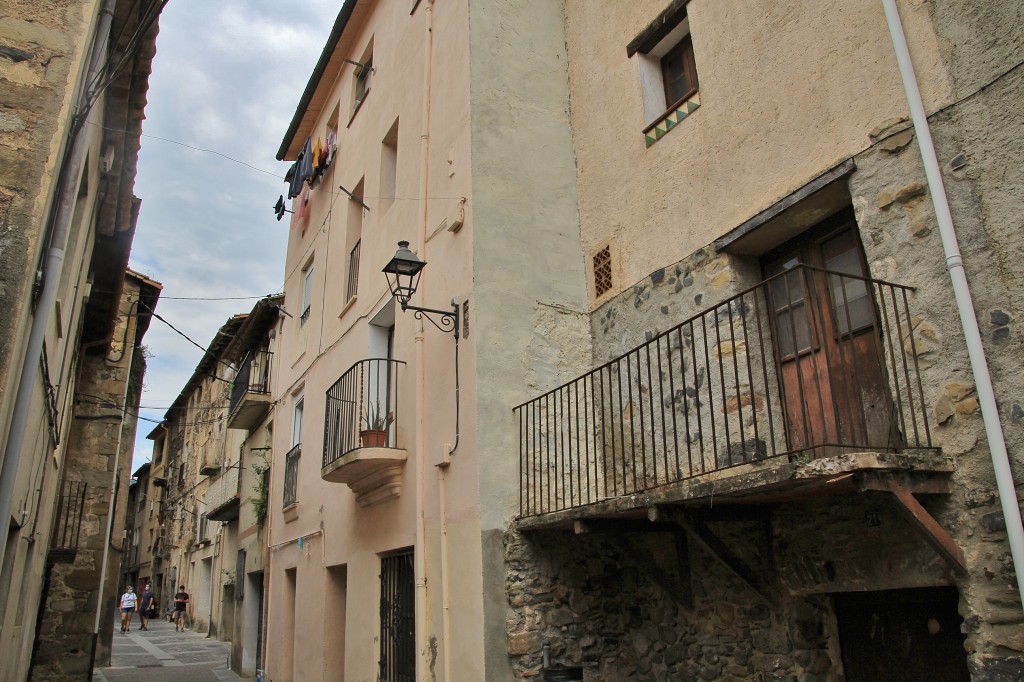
x,y
933,533
771,481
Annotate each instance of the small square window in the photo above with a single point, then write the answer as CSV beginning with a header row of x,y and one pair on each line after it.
x,y
668,71
679,72
363,81
362,77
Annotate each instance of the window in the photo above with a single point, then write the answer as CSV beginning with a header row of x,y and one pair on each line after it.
x,y
397,618
388,167
353,240
240,575
291,476
363,75
363,81
668,71
291,459
307,294
353,271
679,72
297,419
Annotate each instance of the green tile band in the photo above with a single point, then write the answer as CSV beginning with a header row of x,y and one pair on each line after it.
x,y
672,119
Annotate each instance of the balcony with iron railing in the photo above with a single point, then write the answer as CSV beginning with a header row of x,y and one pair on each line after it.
x,y
250,392
807,381
223,497
361,429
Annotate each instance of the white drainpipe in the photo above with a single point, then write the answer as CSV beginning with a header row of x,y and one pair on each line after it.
x,y
962,294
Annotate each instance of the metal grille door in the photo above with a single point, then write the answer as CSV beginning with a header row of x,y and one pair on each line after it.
x,y
397,618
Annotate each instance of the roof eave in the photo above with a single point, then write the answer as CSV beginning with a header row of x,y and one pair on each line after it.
x,y
314,80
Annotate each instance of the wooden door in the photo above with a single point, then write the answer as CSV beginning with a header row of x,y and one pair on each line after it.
x,y
828,346
901,636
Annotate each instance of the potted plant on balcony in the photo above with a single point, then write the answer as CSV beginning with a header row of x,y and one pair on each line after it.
x,y
377,421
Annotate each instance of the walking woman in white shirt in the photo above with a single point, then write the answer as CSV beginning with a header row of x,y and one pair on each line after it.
x,y
128,602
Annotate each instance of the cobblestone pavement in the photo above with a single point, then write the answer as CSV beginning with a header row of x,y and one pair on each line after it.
x,y
159,653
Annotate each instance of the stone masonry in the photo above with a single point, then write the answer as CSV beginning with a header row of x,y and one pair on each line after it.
x,y
596,610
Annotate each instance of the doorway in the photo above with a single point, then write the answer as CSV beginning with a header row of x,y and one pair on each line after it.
x,y
827,337
908,635
335,613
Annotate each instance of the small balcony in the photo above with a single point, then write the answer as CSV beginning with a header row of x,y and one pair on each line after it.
x,y
805,384
250,392
223,498
360,431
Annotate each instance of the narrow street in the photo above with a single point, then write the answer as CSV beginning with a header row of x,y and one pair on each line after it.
x,y
160,653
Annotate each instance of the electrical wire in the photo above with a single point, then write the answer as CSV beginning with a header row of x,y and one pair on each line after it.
x,y
104,402
185,336
216,298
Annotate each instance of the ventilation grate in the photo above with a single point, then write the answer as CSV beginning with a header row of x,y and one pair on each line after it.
x,y
602,271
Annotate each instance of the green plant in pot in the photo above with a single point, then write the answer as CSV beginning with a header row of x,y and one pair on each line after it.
x,y
376,421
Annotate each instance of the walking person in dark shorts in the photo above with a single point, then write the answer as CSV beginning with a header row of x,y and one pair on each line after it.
x,y
129,600
146,604
180,602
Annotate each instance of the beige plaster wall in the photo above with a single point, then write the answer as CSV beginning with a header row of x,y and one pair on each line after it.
x,y
529,285
786,91
432,177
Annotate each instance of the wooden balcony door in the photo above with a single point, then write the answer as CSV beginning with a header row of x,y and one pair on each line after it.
x,y
828,346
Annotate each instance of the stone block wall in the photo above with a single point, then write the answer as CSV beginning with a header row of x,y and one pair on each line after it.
x,y
598,611
40,45
902,242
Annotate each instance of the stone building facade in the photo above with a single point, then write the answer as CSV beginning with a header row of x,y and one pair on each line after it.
x,y
638,216
67,218
724,572
81,594
197,444
239,498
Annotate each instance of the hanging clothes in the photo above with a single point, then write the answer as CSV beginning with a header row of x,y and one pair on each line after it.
x,y
332,146
317,148
295,184
300,207
306,162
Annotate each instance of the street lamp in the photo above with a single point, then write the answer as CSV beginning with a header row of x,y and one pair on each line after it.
x,y
403,274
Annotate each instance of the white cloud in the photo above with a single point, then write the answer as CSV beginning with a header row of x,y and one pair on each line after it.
x,y
226,78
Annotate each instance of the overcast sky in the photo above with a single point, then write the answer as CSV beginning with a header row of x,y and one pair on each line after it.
x,y
227,78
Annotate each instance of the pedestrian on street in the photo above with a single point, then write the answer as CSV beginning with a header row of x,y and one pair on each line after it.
x,y
129,600
147,602
180,602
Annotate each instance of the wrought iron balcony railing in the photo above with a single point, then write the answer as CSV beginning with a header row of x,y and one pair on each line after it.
x,y
808,362
68,524
224,494
291,475
250,391
362,409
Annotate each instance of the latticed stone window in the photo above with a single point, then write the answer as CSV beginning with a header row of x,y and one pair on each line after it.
x,y
602,271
